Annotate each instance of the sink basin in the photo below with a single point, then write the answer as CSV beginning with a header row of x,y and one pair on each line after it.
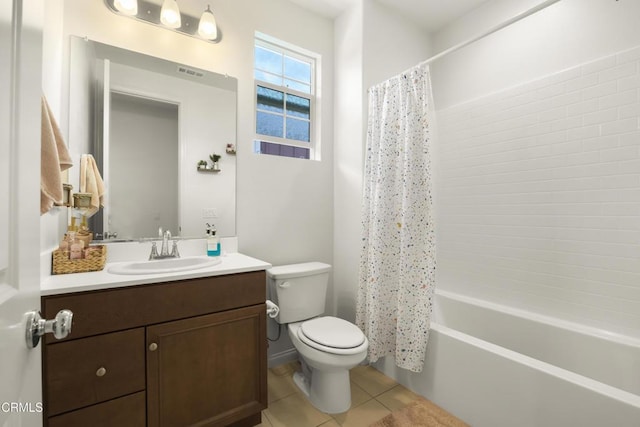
x,y
170,265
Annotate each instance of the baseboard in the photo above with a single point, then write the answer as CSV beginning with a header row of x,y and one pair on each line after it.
x,y
283,357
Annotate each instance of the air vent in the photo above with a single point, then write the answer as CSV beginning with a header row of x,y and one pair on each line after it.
x,y
189,71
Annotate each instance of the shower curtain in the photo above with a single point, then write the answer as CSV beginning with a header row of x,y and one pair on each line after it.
x,y
397,263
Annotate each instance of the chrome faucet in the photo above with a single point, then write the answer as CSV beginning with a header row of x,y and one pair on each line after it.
x,y
164,250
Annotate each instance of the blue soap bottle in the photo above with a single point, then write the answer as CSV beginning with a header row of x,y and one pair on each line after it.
x,y
213,243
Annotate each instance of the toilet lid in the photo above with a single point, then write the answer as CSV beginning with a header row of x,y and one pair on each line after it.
x,y
333,332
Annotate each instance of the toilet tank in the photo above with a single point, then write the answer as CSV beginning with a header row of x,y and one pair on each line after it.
x,y
299,290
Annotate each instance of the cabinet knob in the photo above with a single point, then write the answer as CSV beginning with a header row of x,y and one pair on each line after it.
x,y
153,346
101,372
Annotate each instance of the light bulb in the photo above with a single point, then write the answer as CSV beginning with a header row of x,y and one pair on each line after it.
x,y
170,14
207,27
127,7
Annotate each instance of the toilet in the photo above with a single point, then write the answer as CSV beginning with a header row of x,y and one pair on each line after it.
x,y
328,346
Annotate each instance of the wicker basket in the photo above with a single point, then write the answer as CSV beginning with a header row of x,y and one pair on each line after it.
x,y
95,261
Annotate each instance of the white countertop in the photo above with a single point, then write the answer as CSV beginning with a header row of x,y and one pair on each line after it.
x,y
80,282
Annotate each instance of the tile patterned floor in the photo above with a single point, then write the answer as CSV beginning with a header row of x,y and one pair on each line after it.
x,y
373,396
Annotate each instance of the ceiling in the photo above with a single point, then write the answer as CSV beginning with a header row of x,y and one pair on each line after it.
x,y
430,14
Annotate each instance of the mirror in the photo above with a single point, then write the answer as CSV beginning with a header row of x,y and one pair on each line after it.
x,y
148,122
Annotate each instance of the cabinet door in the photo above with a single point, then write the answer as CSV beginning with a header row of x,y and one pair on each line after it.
x,y
208,370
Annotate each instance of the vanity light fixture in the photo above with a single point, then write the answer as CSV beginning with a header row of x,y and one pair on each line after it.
x,y
207,27
127,7
168,16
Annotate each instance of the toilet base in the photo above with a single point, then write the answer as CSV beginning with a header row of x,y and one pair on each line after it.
x,y
302,382
329,392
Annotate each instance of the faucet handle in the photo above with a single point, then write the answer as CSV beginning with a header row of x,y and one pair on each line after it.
x,y
154,251
174,250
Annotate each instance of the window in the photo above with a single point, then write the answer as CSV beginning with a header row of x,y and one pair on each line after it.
x,y
285,99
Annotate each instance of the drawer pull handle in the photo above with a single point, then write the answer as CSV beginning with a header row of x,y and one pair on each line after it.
x,y
101,372
153,346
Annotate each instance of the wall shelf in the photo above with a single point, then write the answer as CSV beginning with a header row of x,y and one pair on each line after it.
x,y
207,169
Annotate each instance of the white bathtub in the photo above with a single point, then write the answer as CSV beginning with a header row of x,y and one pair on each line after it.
x,y
494,366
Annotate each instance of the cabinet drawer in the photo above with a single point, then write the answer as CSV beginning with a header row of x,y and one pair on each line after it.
x,y
128,411
83,372
112,310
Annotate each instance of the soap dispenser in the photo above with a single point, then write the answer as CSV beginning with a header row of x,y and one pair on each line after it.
x,y
213,243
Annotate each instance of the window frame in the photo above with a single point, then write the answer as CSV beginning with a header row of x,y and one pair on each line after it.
x,y
294,52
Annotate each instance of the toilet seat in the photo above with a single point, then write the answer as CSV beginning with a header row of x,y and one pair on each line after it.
x,y
332,335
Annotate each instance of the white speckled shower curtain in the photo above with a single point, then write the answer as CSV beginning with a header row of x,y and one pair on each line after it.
x,y
397,264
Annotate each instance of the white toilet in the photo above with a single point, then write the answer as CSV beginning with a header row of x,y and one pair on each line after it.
x,y
328,346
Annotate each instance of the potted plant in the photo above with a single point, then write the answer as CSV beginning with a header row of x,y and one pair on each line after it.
x,y
214,160
202,164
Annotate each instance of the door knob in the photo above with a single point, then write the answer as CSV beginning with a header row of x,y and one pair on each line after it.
x,y
60,326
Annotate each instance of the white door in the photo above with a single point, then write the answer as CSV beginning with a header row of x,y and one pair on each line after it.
x,y
20,87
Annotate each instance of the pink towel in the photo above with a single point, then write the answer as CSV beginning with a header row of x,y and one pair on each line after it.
x,y
54,159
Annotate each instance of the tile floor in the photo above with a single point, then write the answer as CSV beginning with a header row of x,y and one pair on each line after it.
x,y
373,396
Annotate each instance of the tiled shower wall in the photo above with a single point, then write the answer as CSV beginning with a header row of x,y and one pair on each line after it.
x,y
538,195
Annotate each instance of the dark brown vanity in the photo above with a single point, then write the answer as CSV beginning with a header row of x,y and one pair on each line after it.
x,y
182,353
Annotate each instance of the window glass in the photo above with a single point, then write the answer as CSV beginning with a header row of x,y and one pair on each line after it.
x,y
268,60
270,100
269,124
263,147
298,129
300,87
297,70
298,106
267,77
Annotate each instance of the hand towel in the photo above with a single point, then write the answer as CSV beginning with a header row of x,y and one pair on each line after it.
x,y
54,158
91,182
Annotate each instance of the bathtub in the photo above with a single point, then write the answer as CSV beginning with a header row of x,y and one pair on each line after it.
x,y
494,366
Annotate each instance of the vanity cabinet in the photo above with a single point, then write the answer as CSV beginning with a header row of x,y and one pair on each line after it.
x,y
183,353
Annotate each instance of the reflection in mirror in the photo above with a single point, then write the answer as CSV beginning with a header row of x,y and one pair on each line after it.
x,y
142,129
148,122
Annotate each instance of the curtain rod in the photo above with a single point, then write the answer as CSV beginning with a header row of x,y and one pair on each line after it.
x,y
490,31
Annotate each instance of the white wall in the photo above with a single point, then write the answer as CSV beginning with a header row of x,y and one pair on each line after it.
x,y
538,173
564,35
392,44
373,43
284,207
349,116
